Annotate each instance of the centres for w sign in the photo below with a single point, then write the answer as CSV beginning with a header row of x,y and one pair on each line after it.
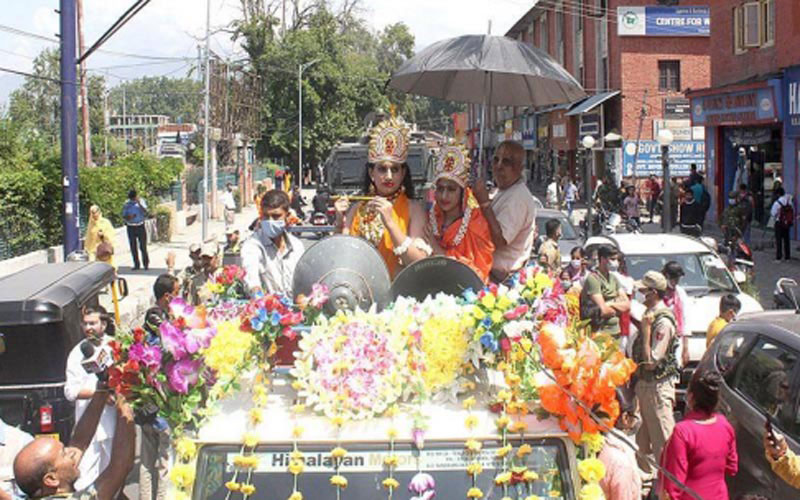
x,y
663,21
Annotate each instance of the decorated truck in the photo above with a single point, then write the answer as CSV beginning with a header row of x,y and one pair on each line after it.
x,y
493,393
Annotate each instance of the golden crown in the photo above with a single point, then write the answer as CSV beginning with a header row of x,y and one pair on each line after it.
x,y
453,164
389,141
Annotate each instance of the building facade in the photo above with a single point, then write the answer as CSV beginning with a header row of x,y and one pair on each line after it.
x,y
139,130
751,110
635,59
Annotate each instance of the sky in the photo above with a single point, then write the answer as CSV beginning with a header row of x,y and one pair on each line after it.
x,y
174,28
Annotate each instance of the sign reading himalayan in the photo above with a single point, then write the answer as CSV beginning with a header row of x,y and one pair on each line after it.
x,y
749,107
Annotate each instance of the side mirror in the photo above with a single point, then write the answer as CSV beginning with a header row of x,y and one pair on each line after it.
x,y
739,276
122,286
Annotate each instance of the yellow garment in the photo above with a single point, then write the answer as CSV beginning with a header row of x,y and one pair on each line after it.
x,y
369,226
714,328
787,468
92,239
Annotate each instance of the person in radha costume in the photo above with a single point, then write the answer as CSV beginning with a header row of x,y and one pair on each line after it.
x,y
391,221
456,226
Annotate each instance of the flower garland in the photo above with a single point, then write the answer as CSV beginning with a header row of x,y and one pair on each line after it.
x,y
391,461
591,469
473,449
182,474
296,461
462,228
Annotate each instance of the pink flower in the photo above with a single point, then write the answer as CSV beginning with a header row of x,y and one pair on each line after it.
x,y
422,483
183,374
418,435
149,356
173,340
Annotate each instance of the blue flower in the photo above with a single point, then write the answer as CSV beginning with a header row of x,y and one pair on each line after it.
x,y
256,324
262,315
276,318
487,322
469,295
258,294
488,341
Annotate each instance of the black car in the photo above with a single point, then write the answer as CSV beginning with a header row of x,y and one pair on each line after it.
x,y
757,356
40,322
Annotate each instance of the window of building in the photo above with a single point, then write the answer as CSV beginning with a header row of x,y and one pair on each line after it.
x,y
532,34
560,20
669,76
768,22
753,25
545,33
579,14
763,377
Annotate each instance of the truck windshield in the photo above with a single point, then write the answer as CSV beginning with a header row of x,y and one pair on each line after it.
x,y
363,467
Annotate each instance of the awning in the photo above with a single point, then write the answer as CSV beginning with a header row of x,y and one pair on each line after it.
x,y
559,107
592,102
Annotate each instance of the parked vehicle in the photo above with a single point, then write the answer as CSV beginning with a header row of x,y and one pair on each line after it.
x,y
220,440
786,294
40,323
736,253
706,280
757,356
570,237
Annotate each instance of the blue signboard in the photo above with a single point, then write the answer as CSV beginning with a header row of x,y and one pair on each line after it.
x,y
748,107
791,121
681,155
663,21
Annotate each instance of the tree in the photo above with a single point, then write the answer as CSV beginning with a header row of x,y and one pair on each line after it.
x,y
179,98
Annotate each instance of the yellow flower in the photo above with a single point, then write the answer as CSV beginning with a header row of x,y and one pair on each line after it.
x,y
591,491
182,475
256,416
523,450
530,476
250,439
247,489
488,301
502,478
391,411
233,486
468,385
594,441
497,316
297,385
297,431
227,350
506,498
177,495
391,461
533,497
503,302
468,403
471,422
502,422
556,493
298,408
474,493
526,344
474,469
390,483
478,313
296,455
392,432
185,448
473,446
246,461
502,452
513,379
296,496
338,452
339,481
338,420
519,426
504,396
295,467
591,470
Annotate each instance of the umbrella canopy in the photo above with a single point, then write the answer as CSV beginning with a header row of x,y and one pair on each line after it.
x,y
494,70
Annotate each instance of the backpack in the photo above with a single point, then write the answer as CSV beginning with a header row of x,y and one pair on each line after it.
x,y
785,215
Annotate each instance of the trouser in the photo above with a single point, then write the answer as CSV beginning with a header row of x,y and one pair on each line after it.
x,y
138,233
569,208
154,468
229,213
656,399
782,242
651,207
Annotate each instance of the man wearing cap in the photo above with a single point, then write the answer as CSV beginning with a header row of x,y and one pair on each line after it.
x,y
654,352
232,243
603,294
511,214
187,274
209,262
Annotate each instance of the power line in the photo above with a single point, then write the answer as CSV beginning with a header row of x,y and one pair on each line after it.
x,y
118,24
31,75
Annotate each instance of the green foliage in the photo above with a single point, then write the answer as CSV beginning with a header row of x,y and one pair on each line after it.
x,y
179,98
163,217
20,194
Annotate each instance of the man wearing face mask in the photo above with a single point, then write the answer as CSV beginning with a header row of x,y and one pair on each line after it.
x,y
270,254
602,297
622,480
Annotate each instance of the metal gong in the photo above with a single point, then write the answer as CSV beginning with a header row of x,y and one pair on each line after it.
x,y
350,267
433,275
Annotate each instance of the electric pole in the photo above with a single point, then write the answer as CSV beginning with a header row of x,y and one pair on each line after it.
x,y
642,115
87,136
69,125
206,124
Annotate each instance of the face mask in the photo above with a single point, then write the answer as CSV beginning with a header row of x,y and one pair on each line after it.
x,y
613,265
566,284
576,263
272,228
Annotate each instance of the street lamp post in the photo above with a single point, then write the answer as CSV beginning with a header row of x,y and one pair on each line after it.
x,y
588,142
300,70
665,140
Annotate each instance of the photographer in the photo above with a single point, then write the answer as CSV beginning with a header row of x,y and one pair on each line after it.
x,y
46,469
783,461
80,388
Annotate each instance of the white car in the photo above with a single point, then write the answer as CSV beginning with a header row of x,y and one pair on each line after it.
x,y
706,277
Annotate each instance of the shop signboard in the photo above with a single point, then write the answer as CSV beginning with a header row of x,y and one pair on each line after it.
x,y
747,107
681,155
682,130
663,21
592,124
529,132
791,82
677,108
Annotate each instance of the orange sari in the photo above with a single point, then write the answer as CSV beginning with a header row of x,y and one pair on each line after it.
x,y
467,239
369,226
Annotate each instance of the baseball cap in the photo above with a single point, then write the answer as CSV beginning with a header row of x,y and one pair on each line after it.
x,y
194,248
209,250
654,280
230,230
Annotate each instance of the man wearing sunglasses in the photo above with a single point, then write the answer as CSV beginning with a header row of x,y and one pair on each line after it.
x,y
511,213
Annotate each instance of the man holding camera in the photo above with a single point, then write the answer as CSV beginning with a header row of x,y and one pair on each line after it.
x,y
46,469
80,388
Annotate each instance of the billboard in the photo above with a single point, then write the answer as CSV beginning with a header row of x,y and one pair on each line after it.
x,y
663,21
681,155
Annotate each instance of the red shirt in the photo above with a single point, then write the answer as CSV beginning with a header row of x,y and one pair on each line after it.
x,y
700,455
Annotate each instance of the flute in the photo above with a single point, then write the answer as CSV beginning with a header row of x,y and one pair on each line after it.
x,y
354,198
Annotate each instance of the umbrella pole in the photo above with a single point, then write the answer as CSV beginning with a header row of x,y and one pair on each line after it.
x,y
481,171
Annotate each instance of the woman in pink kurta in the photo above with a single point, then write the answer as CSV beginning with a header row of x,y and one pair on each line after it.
x,y
702,448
